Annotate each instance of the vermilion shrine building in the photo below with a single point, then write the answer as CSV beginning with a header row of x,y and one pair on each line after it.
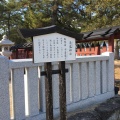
x,y
89,45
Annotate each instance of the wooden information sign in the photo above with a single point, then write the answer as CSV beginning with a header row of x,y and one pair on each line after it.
x,y
49,48
53,47
53,44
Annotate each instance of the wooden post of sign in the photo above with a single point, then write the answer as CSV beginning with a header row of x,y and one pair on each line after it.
x,y
62,91
48,91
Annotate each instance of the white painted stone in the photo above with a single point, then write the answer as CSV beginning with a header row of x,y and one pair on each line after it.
x,y
91,79
90,58
20,63
39,94
71,81
41,116
89,101
18,93
104,77
84,80
68,84
32,80
55,82
4,89
78,105
110,71
76,82
88,75
42,92
97,78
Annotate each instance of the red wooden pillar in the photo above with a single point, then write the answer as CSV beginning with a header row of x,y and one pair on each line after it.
x,y
87,49
78,51
92,49
82,50
104,48
97,49
111,43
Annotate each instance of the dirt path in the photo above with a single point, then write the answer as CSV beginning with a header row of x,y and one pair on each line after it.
x,y
117,69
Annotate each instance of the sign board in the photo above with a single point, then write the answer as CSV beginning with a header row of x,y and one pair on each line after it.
x,y
53,47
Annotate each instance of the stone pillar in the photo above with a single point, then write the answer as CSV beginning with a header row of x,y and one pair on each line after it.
x,y
4,89
110,71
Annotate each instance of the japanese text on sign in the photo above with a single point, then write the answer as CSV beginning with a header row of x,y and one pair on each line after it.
x,y
53,47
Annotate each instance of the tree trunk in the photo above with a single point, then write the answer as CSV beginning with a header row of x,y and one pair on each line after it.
x,y
54,15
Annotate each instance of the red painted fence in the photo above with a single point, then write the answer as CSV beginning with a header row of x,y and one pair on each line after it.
x,y
82,49
90,49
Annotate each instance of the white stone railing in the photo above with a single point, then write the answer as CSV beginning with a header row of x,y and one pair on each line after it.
x,y
90,80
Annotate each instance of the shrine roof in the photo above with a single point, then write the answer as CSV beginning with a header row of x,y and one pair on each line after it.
x,y
101,33
22,46
25,33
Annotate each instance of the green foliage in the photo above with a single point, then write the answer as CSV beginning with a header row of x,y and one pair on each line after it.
x,y
102,13
74,15
15,37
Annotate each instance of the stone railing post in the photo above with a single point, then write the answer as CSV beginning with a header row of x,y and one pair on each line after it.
x,y
110,70
4,89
